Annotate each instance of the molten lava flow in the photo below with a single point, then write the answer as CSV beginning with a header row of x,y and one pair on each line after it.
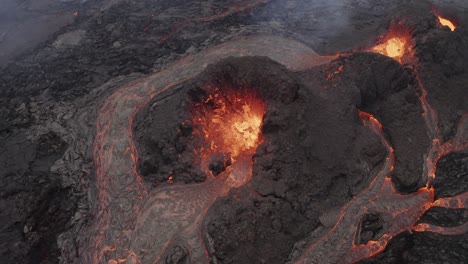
x,y
400,212
444,21
396,44
230,123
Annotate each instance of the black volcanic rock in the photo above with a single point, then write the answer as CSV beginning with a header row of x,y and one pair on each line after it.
x,y
422,248
452,175
35,208
381,86
387,93
442,71
434,248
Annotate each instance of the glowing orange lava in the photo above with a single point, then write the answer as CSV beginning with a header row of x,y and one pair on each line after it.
x,y
395,44
230,123
333,74
444,21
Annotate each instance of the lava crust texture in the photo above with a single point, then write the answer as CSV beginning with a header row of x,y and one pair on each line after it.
x,y
198,132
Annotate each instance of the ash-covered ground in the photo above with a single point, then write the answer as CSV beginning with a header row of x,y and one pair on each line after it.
x,y
60,60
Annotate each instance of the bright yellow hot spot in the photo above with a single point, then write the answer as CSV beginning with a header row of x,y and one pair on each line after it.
x,y
446,22
396,43
243,134
394,48
231,124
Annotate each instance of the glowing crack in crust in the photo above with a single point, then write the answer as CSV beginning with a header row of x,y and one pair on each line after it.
x,y
135,226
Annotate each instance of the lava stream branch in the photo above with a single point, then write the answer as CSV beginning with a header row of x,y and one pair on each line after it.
x,y
399,212
442,230
341,237
455,202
